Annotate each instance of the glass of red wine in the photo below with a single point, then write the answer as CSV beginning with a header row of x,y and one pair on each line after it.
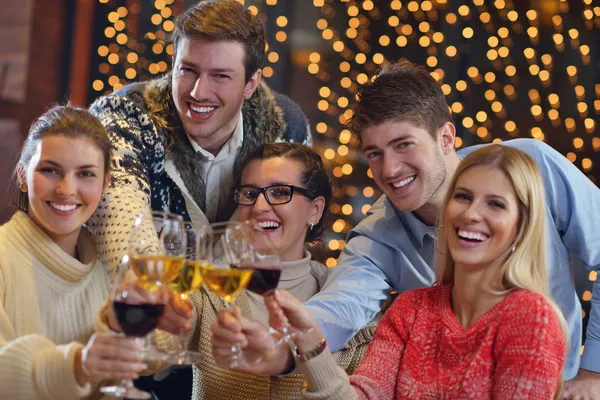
x,y
267,272
138,307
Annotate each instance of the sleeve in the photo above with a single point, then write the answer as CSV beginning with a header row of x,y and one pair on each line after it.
x,y
574,201
376,376
135,144
32,367
344,306
530,350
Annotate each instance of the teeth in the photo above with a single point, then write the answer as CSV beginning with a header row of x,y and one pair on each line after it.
x,y
202,109
60,207
404,182
269,224
472,235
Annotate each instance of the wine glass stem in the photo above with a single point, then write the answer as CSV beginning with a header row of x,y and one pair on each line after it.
x,y
236,349
182,333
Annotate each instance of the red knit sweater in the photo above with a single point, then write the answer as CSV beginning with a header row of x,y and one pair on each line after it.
x,y
420,350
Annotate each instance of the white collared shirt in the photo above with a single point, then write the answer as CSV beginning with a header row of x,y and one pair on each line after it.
x,y
218,170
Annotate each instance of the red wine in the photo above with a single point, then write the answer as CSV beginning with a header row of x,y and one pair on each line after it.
x,y
263,280
138,319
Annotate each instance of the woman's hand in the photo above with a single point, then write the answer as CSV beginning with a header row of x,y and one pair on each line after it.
x,y
230,329
108,356
286,309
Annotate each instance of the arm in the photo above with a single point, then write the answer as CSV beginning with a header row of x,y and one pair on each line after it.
x,y
529,351
355,290
376,377
575,205
134,141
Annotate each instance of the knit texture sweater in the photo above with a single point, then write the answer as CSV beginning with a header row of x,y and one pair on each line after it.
x,y
515,350
48,300
216,383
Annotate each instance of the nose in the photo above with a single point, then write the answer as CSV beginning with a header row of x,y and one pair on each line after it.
x,y
201,89
391,167
472,213
261,204
67,186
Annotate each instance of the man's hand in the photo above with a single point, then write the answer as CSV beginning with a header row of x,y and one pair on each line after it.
x,y
176,318
253,337
585,386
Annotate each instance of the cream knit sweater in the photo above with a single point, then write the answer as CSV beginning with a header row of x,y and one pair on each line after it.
x,y
48,300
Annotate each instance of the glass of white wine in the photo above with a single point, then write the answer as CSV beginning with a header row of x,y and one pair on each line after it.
x,y
157,250
188,280
226,248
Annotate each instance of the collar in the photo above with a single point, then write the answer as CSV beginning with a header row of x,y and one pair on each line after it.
x,y
230,147
292,271
413,225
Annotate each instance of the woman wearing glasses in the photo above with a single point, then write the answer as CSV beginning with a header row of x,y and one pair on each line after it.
x,y
285,187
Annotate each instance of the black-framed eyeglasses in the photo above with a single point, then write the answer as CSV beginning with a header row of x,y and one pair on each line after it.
x,y
274,194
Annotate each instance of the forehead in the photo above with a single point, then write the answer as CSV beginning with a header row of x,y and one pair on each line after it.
x,y
486,180
382,134
272,171
69,151
208,54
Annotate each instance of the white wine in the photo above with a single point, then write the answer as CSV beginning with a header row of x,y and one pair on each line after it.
x,y
226,283
189,277
156,268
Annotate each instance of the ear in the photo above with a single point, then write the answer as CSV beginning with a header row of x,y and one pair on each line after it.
x,y
22,178
318,206
106,181
447,136
252,84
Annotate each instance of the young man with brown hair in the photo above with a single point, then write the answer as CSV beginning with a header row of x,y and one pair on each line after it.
x,y
179,140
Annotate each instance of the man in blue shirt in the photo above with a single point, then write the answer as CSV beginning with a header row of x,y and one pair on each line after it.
x,y
408,138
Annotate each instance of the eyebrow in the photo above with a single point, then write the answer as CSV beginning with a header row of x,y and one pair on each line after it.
x,y
191,64
277,183
391,142
488,196
54,163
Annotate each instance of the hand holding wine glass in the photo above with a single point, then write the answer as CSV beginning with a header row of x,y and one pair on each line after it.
x,y
138,308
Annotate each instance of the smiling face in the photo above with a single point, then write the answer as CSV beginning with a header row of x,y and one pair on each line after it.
x,y
285,224
408,164
64,181
209,89
481,217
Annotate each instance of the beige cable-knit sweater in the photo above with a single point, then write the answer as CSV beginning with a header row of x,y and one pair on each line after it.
x,y
303,278
48,300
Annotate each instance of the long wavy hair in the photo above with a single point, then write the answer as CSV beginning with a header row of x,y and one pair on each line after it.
x,y
525,267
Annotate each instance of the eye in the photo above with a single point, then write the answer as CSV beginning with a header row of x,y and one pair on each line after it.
x,y
404,145
280,192
87,174
185,69
249,193
48,170
462,196
373,155
497,204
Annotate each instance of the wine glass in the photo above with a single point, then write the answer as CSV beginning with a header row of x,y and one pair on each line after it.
x,y
157,249
138,307
226,249
185,282
267,272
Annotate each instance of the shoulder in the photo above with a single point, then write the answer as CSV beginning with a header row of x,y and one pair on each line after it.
x,y
525,302
122,99
528,312
297,124
418,299
380,221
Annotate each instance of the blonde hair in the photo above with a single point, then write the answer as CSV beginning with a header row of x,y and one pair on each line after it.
x,y
524,267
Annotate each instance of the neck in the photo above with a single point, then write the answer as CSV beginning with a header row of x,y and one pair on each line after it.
x,y
469,301
215,142
67,242
429,212
293,255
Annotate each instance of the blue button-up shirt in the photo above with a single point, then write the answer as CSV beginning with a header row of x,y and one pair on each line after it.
x,y
395,250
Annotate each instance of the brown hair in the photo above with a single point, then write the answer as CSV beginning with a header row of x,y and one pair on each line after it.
x,y
314,176
224,20
68,121
401,91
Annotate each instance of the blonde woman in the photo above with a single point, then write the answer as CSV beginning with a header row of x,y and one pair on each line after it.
x,y
487,328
